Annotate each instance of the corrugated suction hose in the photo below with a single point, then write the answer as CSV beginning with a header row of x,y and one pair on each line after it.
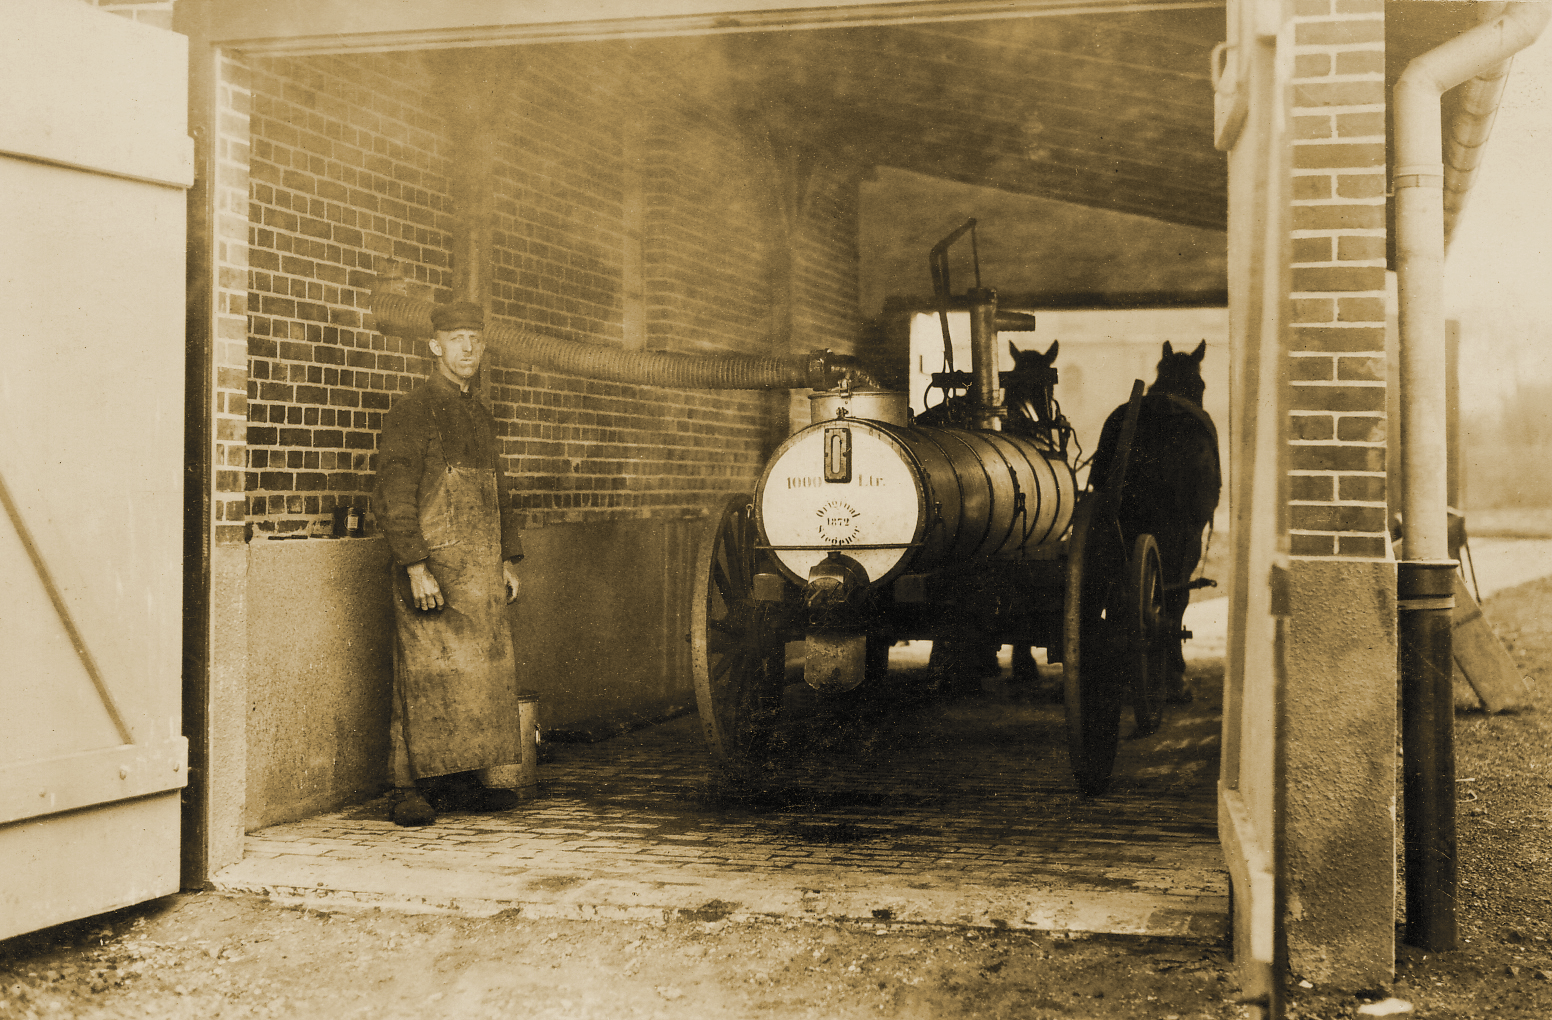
x,y
398,315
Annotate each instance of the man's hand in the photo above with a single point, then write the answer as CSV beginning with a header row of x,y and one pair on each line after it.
x,y
509,574
424,588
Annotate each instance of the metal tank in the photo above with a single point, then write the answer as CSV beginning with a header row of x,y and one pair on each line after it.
x,y
892,497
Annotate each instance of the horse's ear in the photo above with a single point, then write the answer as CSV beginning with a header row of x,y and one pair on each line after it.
x,y
1200,352
1050,352
1168,349
1013,350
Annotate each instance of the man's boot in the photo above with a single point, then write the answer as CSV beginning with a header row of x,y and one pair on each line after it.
x,y
411,808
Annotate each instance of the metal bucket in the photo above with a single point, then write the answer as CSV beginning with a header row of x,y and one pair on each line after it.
x,y
875,405
521,777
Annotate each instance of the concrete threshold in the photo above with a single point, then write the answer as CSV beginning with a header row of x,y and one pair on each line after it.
x,y
1194,911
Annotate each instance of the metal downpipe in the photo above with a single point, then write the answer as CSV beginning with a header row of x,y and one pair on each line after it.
x,y
1425,598
1425,581
398,315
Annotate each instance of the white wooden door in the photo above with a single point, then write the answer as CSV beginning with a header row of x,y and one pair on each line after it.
x,y
1252,90
94,161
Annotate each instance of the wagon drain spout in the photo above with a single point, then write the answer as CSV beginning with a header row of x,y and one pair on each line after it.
x,y
835,647
832,581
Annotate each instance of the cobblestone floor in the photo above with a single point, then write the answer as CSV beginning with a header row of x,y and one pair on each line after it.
x,y
958,812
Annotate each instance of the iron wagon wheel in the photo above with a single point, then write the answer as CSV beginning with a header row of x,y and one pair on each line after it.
x,y
1146,652
1091,683
736,656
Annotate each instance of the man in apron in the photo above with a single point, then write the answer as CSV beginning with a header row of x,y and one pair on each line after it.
x,y
454,545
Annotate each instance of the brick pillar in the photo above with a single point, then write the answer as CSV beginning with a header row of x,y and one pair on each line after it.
x,y
1337,360
1341,659
230,392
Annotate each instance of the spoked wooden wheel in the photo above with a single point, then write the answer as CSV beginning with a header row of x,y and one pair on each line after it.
x,y
1146,654
736,656
1091,681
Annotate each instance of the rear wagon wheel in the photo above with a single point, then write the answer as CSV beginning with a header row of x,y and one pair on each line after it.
x,y
1090,678
737,658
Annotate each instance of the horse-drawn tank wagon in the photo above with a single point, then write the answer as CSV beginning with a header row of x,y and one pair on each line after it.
x,y
964,524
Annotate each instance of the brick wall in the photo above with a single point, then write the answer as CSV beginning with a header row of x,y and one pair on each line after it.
x,y
1337,356
710,231
351,170
828,280
559,237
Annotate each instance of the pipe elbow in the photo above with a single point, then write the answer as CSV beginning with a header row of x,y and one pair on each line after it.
x,y
1479,52
1476,51
1529,20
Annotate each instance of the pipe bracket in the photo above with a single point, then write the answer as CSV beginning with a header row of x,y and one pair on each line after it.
x,y
1425,584
1415,605
1418,175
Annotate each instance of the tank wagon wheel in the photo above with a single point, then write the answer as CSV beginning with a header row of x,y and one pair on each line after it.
x,y
1091,682
1146,652
737,658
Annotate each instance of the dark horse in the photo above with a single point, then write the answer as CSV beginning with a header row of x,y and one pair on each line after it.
x,y
1032,414
1173,480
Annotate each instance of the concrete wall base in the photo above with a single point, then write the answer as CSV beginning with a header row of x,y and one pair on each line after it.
x,y
1341,825
600,629
319,667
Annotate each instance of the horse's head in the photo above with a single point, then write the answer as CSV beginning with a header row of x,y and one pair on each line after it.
x,y
1027,390
1181,374
1032,374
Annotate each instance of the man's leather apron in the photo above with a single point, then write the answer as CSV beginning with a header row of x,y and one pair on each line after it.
x,y
454,671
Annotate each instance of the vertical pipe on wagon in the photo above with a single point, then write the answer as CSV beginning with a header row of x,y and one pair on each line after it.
x,y
989,410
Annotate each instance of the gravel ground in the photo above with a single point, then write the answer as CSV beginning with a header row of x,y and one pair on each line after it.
x,y
205,955
1503,766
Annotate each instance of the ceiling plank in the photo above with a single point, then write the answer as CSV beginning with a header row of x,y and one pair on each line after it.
x,y
1069,184
309,27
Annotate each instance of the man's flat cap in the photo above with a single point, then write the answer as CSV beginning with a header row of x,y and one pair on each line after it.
x,y
458,315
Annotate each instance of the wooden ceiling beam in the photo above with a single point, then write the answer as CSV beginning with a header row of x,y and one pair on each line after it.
x,y
844,63
1171,205
1134,145
918,141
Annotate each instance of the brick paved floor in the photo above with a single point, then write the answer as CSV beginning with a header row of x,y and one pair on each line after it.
x,y
935,813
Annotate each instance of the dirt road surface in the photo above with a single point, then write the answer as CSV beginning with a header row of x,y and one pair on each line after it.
x,y
211,956
208,955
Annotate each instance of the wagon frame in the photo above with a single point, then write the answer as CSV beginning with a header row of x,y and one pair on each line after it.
x,y
1093,600
1097,605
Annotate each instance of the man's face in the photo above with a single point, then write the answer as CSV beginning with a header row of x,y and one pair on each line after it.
x,y
458,353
